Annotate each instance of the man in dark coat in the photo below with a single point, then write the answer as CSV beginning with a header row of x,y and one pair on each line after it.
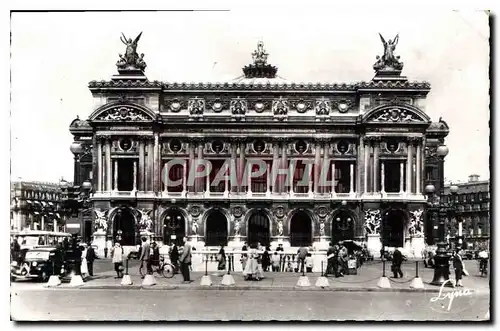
x,y
145,256
91,256
330,256
15,250
185,261
397,260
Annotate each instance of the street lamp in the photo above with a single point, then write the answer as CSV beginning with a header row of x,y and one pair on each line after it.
x,y
437,209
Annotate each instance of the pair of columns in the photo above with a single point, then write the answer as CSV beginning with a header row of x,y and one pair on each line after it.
x,y
146,172
371,146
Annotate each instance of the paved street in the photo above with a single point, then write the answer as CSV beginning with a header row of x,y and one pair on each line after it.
x,y
99,305
354,297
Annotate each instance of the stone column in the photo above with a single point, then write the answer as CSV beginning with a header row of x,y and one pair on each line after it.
x,y
351,182
241,166
382,177
275,166
55,224
226,181
409,168
333,178
366,145
42,220
418,182
376,148
268,179
156,164
317,167
184,178
232,171
291,173
115,186
99,166
166,178
249,179
135,176
207,182
109,184
401,177
284,164
150,165
199,181
141,165
191,147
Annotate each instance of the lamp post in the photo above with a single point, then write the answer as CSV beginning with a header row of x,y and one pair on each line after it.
x,y
437,209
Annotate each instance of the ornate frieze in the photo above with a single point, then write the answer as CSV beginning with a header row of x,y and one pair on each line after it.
x,y
344,147
218,105
342,105
395,115
301,105
238,107
175,105
323,107
373,221
280,108
123,114
196,107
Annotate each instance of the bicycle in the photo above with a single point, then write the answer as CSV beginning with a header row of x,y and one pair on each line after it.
x,y
165,269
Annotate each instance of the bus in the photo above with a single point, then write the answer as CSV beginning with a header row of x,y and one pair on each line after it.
x,y
36,238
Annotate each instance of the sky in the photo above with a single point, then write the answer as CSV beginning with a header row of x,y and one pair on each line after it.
x,y
55,55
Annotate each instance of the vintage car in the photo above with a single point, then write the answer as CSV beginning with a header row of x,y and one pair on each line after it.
x,y
38,263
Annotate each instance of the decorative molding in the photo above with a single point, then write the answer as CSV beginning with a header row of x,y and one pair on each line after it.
x,y
280,107
123,114
323,107
416,227
238,107
196,107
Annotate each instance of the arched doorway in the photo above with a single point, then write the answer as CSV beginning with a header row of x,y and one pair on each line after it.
x,y
393,228
342,226
174,227
258,229
216,229
124,227
300,229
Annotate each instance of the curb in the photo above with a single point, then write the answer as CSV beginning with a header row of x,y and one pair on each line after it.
x,y
245,288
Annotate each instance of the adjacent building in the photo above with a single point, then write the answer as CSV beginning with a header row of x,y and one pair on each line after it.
x,y
36,206
472,203
343,160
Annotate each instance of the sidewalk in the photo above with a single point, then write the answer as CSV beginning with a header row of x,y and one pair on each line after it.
x,y
366,280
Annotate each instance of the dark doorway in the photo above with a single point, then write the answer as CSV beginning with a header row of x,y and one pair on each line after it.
x,y
174,227
342,226
300,230
258,229
124,227
125,175
393,228
216,229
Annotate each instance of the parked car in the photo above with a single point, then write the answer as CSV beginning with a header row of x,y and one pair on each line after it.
x,y
38,263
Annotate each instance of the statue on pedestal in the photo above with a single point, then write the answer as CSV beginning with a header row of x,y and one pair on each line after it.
x,y
194,227
131,59
100,222
237,229
388,61
280,227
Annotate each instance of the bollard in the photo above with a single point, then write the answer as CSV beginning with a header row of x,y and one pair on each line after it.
x,y
303,266
228,278
322,281
54,280
417,281
126,280
206,280
383,282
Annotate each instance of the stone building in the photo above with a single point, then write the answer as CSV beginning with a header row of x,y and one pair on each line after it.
x,y
473,205
36,206
372,138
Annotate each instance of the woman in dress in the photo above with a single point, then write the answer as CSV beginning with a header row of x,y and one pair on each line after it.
x,y
251,270
117,259
84,270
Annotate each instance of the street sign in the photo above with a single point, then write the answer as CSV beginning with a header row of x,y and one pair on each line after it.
x,y
73,225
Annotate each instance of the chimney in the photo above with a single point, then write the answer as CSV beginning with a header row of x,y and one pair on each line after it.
x,y
473,178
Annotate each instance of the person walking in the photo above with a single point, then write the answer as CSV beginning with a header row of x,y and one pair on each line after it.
x,y
458,265
185,261
15,250
117,259
266,259
301,257
174,257
275,260
145,257
397,260
330,258
155,256
90,256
